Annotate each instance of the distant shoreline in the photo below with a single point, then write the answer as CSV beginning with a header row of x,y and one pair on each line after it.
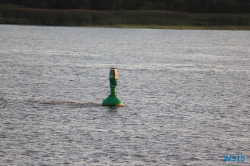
x,y
124,19
175,27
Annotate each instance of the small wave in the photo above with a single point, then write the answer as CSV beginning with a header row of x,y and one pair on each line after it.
x,y
68,103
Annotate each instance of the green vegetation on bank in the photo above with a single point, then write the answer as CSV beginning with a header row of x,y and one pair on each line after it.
x,y
189,6
131,19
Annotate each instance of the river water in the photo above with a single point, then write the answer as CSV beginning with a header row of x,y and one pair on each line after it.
x,y
187,96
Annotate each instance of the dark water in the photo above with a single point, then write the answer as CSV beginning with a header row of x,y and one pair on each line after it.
x,y
187,96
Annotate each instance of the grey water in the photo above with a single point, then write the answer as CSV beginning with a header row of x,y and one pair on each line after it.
x,y
187,96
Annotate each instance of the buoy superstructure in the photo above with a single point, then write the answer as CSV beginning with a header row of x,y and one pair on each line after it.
x,y
113,99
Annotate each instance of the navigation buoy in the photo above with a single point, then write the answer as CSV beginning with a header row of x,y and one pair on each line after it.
x,y
112,99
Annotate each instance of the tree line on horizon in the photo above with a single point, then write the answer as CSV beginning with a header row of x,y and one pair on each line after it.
x,y
191,6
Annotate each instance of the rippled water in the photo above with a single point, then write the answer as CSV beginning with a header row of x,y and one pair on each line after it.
x,y
187,96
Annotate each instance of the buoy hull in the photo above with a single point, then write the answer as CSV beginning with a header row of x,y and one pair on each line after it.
x,y
112,100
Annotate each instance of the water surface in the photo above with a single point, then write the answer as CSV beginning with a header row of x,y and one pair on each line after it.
x,y
186,94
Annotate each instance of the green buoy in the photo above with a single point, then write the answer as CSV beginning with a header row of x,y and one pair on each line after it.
x,y
112,99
